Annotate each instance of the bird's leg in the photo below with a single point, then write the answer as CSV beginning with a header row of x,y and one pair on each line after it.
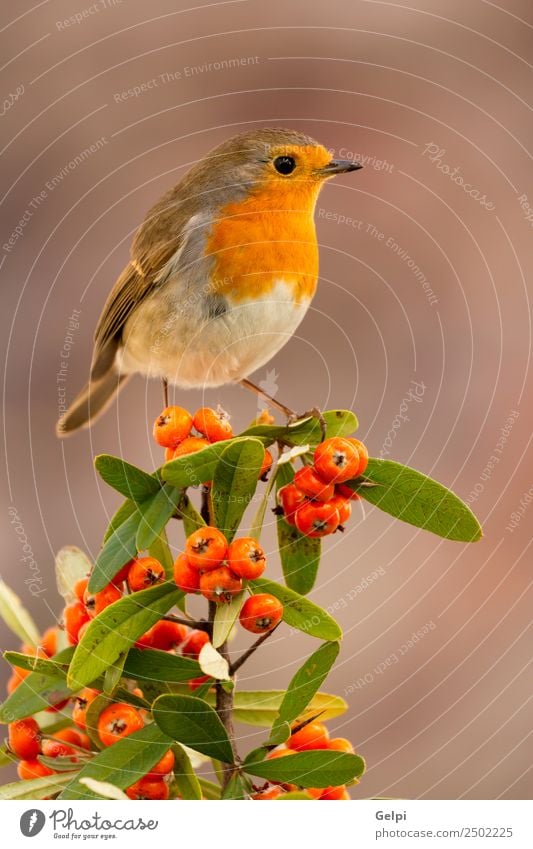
x,y
164,381
317,414
291,415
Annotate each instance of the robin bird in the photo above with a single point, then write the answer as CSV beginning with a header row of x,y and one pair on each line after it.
x,y
222,272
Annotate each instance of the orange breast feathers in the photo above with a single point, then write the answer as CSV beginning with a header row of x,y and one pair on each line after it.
x,y
266,237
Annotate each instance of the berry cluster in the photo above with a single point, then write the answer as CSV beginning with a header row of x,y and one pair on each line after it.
x,y
312,735
173,430
318,503
218,571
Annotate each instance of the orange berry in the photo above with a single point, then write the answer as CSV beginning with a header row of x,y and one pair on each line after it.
x,y
190,446
336,460
24,738
213,424
80,587
29,769
172,426
74,616
289,499
363,454
166,635
317,520
340,744
58,749
343,505
335,793
95,603
83,700
49,641
266,465
246,558
117,721
261,613
144,572
220,585
314,735
122,574
279,753
164,766
194,644
148,788
308,482
186,577
206,548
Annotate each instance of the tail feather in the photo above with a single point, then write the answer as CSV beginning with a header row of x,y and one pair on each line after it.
x,y
90,403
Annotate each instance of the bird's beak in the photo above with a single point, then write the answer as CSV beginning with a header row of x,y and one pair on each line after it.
x,y
339,166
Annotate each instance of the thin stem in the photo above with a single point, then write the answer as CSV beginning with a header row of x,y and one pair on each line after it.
x,y
205,511
249,652
224,704
198,624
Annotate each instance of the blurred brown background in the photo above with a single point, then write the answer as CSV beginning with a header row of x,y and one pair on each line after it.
x,y
433,91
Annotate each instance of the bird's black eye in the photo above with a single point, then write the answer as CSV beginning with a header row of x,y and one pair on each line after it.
x,y
284,164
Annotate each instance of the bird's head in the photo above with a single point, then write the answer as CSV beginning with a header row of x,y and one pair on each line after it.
x,y
284,168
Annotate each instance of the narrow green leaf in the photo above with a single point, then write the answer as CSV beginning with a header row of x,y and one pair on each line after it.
x,y
16,617
126,509
155,513
260,708
294,795
37,691
259,517
303,687
6,758
418,500
35,788
299,554
46,666
238,787
225,618
192,721
184,775
123,763
234,483
156,665
119,548
209,789
127,479
194,469
338,423
71,564
116,628
61,763
299,612
319,768
113,674
160,549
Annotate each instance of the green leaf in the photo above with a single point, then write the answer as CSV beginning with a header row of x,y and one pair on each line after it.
x,y
260,708
121,764
155,513
126,509
257,522
319,768
117,550
418,500
156,665
115,630
184,775
238,787
190,515
194,469
299,554
225,618
113,674
35,788
338,423
130,481
234,483
304,685
46,666
37,691
71,564
192,721
294,795
299,612
16,617
161,551
209,789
